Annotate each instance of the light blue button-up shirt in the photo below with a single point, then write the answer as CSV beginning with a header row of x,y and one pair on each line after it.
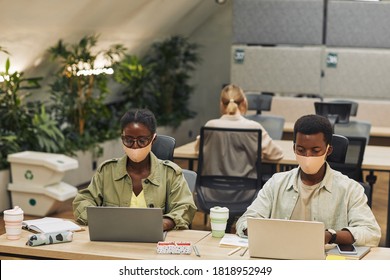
x,y
339,204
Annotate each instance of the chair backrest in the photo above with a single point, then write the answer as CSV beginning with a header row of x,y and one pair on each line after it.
x,y
164,146
347,157
228,168
354,128
368,192
352,167
190,177
259,101
274,125
354,105
336,112
340,148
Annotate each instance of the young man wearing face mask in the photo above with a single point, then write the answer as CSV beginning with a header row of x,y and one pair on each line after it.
x,y
139,178
314,191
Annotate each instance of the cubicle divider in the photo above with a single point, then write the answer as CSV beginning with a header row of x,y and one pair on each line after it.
x,y
358,24
361,73
270,22
334,48
281,69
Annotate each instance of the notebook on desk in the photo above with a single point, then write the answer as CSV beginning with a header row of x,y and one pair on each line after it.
x,y
286,239
125,224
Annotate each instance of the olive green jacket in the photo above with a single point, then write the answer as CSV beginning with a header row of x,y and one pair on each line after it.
x,y
164,188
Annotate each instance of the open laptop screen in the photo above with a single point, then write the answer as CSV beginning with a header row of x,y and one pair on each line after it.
x,y
286,239
125,224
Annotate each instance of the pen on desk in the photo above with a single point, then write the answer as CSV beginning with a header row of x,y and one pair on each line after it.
x,y
196,251
234,251
243,253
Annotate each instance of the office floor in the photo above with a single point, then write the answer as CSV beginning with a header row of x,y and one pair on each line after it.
x,y
379,207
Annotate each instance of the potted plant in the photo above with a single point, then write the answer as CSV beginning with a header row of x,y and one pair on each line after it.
x,y
79,92
23,125
160,80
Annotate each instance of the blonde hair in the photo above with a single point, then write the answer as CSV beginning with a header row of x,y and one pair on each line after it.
x,y
232,99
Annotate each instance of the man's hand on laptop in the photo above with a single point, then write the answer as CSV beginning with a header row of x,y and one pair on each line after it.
x,y
168,224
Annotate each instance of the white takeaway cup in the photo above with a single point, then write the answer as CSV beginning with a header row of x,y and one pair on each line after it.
x,y
13,219
218,216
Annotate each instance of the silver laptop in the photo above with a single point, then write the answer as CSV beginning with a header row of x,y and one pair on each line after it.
x,y
286,239
125,224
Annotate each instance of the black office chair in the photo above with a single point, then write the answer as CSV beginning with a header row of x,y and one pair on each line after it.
x,y
347,157
259,101
229,169
336,112
340,147
163,147
354,105
352,166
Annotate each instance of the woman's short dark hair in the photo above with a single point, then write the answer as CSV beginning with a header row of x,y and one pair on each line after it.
x,y
313,124
143,116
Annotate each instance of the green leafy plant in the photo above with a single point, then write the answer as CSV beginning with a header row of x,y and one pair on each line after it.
x,y
160,80
79,99
22,123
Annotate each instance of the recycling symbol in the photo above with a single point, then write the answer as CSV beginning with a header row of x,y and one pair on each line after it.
x,y
28,175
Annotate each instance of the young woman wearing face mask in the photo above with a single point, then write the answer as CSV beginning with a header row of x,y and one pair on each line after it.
x,y
139,178
314,191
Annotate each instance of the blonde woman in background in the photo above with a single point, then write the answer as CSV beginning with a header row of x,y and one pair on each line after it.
x,y
233,106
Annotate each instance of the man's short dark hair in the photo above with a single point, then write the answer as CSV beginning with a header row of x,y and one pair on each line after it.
x,y
313,124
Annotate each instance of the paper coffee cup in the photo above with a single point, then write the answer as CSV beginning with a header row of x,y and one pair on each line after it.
x,y
218,228
13,232
218,216
13,219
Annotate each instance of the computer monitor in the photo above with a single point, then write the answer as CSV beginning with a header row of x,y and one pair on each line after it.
x,y
334,111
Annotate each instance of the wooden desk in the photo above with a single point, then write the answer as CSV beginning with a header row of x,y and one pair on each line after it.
x,y
209,249
186,152
376,159
81,248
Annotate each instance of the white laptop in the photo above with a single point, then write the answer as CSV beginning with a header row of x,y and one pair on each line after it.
x,y
125,224
286,239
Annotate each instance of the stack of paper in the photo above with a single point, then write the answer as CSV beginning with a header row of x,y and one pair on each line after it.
x,y
233,240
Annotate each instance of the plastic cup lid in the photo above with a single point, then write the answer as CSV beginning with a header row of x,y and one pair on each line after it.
x,y
15,211
219,209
